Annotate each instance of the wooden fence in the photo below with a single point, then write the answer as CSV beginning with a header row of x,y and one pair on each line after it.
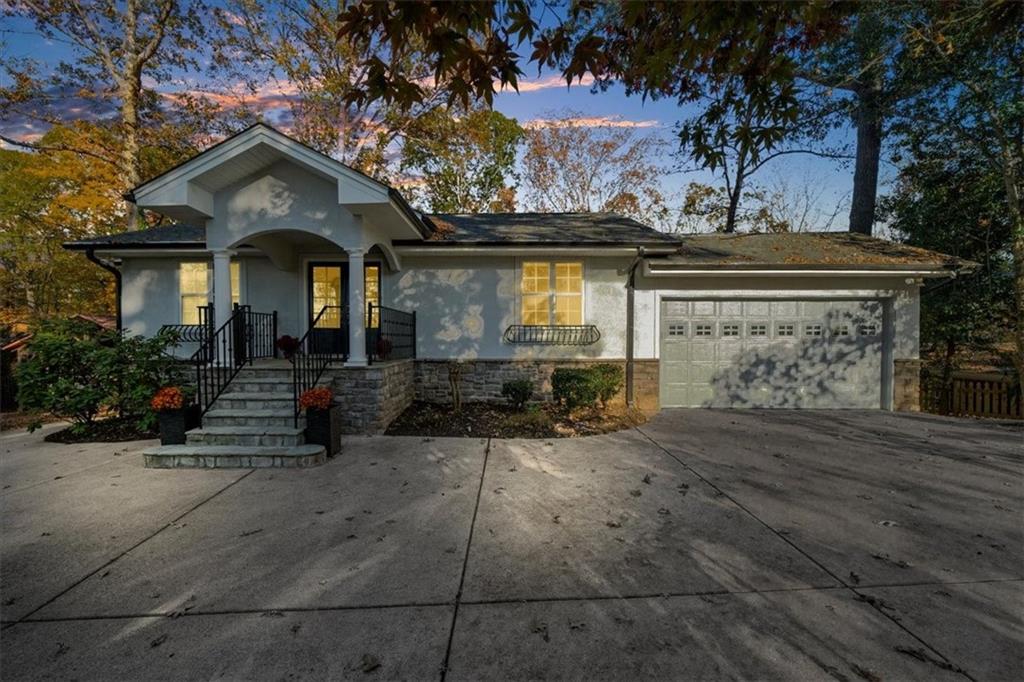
x,y
977,394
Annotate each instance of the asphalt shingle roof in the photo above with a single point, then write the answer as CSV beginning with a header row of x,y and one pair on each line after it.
x,y
543,228
167,236
805,249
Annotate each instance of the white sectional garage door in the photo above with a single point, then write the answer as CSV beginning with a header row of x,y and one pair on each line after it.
x,y
754,353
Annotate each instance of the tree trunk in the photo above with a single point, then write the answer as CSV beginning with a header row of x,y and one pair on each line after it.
x,y
130,149
734,203
869,149
1018,291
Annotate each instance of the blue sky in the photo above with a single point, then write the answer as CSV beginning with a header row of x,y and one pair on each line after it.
x,y
539,97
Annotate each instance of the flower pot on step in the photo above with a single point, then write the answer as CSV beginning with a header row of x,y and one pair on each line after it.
x,y
174,424
323,427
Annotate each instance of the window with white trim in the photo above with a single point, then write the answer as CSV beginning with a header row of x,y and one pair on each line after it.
x,y
195,286
551,293
194,289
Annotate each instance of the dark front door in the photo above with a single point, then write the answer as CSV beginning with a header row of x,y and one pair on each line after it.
x,y
328,292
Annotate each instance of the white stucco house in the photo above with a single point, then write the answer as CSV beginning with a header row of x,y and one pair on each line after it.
x,y
298,240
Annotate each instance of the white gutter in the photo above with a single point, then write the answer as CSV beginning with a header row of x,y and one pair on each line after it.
x,y
723,271
538,250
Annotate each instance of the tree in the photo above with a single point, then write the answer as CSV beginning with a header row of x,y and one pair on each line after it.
x,y
969,61
571,165
117,49
464,161
948,198
296,40
45,200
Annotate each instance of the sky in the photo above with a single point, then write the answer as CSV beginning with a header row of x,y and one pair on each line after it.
x,y
540,97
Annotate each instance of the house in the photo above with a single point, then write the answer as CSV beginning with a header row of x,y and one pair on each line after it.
x,y
269,238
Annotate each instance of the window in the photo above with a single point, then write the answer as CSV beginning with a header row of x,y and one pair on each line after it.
x,y
758,329
867,330
678,329
552,293
236,282
193,286
371,289
812,330
784,329
702,330
730,329
842,330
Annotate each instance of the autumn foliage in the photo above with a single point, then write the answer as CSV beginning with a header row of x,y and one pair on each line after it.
x,y
316,399
168,398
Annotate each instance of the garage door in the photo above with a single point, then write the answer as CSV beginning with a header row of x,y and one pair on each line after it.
x,y
799,354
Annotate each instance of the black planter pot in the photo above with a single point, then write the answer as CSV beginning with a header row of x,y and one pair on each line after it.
x,y
174,424
323,427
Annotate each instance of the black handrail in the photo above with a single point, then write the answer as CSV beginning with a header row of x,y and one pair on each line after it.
x,y
242,338
317,348
390,334
218,360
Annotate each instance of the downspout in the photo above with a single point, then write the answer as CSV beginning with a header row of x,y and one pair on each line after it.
x,y
630,324
91,255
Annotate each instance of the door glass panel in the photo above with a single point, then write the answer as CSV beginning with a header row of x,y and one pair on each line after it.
x,y
327,292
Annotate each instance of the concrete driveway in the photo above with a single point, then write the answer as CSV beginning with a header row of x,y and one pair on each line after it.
x,y
707,544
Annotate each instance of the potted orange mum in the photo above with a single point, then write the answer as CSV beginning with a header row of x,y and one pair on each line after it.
x,y
323,421
174,415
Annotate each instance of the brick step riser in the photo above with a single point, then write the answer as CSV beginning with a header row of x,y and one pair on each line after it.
x,y
232,461
258,404
252,421
284,389
244,440
279,374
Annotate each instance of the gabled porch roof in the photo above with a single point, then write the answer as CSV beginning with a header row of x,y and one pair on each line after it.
x,y
186,192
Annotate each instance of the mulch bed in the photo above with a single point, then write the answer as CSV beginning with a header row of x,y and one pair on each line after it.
x,y
498,420
13,421
104,431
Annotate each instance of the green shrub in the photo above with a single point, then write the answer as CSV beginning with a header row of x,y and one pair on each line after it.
x,y
75,371
608,380
518,392
573,388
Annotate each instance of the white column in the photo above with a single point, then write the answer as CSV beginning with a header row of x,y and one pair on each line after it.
x,y
356,309
221,286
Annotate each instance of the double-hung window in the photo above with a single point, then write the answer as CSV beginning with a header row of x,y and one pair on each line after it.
x,y
195,288
552,293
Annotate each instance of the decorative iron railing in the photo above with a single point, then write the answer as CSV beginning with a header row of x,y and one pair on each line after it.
x,y
318,347
194,333
223,352
553,335
391,334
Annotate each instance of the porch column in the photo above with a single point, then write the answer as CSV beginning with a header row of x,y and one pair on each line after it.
x,y
221,286
356,309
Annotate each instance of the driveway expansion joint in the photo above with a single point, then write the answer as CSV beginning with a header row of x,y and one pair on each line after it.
x,y
465,563
125,552
855,590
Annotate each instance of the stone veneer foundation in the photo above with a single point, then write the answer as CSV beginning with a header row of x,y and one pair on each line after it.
x,y
372,397
481,380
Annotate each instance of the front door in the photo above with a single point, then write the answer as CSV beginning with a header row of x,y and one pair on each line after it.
x,y
328,283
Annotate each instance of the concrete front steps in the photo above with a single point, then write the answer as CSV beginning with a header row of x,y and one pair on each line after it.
x,y
250,425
